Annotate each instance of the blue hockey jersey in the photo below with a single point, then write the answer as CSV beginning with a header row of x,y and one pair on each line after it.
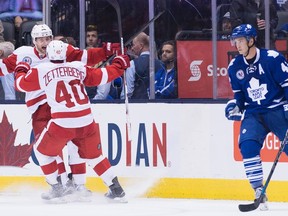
x,y
262,85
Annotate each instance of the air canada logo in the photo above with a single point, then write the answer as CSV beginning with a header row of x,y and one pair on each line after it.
x,y
195,70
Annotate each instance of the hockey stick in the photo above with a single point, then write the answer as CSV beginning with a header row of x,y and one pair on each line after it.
x,y
116,5
257,202
128,122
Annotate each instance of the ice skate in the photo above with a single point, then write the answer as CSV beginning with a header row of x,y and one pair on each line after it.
x,y
263,205
116,192
56,194
82,193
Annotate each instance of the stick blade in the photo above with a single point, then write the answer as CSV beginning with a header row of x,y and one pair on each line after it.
x,y
251,206
247,207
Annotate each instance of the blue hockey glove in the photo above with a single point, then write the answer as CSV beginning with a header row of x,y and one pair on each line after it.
x,y
285,106
232,111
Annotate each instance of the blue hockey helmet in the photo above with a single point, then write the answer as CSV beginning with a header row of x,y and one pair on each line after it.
x,y
244,30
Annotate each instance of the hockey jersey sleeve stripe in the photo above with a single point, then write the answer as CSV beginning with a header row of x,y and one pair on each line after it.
x,y
84,57
35,100
71,114
104,76
17,84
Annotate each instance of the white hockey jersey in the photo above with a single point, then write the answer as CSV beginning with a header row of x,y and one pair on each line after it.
x,y
31,56
63,83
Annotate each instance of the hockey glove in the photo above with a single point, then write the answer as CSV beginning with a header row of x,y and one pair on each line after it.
x,y
113,49
285,106
22,67
121,61
232,111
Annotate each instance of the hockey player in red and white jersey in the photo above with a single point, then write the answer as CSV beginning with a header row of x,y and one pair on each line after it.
x,y
72,119
36,101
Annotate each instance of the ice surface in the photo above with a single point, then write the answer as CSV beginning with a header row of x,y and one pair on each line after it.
x,y
28,202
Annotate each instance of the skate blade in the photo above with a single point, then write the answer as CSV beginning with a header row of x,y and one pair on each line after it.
x,y
57,200
76,197
117,200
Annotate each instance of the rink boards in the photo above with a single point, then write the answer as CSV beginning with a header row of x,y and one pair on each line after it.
x,y
177,151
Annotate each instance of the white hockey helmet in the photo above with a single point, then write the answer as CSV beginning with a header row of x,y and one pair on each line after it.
x,y
40,30
56,50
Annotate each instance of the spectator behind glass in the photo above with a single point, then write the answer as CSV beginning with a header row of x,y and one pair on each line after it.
x,y
138,74
31,9
165,78
91,36
18,20
99,92
1,32
7,48
226,27
253,12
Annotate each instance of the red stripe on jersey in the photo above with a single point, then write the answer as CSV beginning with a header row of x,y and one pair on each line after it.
x,y
49,168
78,168
61,168
101,167
71,114
35,100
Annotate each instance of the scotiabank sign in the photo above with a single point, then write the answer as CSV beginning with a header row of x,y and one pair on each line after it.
x,y
269,150
195,68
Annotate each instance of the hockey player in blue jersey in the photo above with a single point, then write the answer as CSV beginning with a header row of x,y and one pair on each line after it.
x,y
259,80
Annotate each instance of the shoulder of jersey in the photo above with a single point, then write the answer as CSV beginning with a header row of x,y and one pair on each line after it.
x,y
24,50
75,63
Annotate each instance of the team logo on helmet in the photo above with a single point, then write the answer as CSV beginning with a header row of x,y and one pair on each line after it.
x,y
56,50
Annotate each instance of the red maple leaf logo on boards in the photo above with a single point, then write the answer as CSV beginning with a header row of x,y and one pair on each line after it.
x,y
11,155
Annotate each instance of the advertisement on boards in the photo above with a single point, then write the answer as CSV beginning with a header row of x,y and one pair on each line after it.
x,y
195,68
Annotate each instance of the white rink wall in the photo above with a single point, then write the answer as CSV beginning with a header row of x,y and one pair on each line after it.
x,y
178,150
199,140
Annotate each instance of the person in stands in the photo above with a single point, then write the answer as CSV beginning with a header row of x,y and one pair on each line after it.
x,y
138,75
6,49
165,78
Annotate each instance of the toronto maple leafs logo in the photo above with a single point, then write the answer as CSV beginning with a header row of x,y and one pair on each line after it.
x,y
256,91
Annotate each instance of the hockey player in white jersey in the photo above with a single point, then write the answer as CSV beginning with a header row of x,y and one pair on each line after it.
x,y
72,119
259,81
36,101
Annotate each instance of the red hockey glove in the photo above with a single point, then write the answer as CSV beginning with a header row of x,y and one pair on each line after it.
x,y
22,67
121,61
113,49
